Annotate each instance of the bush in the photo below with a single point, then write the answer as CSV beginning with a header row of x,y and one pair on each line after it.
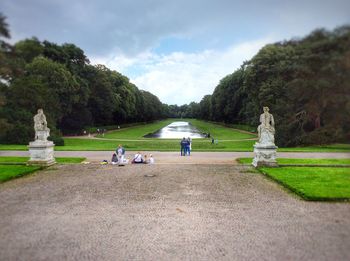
x,y
57,140
19,134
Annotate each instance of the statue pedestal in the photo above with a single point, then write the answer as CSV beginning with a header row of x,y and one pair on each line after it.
x,y
265,155
41,153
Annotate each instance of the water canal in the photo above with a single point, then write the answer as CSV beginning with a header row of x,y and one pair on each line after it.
x,y
177,130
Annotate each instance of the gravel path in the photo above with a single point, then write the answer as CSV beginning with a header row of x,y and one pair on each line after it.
x,y
184,212
195,158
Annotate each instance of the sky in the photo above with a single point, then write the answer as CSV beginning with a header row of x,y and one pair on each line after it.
x,y
179,49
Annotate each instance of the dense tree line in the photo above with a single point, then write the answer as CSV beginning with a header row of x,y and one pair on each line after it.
x,y
73,93
305,82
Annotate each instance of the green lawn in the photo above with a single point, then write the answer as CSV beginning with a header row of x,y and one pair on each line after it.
x,y
137,132
154,145
8,172
302,161
14,167
132,138
61,160
314,183
220,132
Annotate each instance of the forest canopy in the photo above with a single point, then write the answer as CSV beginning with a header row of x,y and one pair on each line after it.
x,y
305,82
73,93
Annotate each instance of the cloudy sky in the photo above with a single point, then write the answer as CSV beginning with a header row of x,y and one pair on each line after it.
x,y
179,49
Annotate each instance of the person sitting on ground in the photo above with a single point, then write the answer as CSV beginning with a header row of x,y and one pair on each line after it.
x,y
151,159
137,158
145,161
114,159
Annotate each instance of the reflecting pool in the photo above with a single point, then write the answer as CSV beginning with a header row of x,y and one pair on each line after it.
x,y
177,130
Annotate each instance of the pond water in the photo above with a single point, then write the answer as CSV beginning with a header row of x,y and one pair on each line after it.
x,y
177,130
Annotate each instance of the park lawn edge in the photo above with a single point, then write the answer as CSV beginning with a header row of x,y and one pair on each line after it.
x,y
22,160
296,192
4,147
22,174
248,161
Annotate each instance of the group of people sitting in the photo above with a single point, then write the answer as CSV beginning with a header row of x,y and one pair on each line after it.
x,y
118,158
138,158
186,146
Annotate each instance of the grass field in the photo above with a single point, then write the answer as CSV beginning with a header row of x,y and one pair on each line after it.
x,y
61,160
136,132
230,139
313,183
14,167
302,161
8,172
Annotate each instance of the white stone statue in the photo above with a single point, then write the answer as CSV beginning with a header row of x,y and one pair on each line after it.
x,y
265,149
40,126
41,150
266,129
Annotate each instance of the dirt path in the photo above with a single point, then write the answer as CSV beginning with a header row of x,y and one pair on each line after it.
x,y
174,157
184,212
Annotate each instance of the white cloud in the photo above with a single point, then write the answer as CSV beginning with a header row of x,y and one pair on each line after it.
x,y
179,77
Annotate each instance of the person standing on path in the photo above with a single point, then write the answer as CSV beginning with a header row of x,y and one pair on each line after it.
x,y
189,146
183,144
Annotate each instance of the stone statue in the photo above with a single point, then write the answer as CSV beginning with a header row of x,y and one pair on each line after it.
x,y
40,126
266,129
265,149
41,150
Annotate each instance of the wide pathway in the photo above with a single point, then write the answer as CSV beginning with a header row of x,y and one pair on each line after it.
x,y
165,212
174,157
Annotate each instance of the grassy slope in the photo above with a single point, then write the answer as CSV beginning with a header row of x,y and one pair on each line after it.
x,y
136,134
220,132
302,161
8,172
314,183
62,160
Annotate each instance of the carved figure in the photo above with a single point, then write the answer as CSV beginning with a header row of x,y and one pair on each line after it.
x,y
40,126
266,129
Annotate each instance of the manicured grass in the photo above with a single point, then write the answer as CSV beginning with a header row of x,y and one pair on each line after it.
x,y
132,139
173,145
220,132
61,160
137,132
314,183
154,145
302,161
217,131
8,172
320,148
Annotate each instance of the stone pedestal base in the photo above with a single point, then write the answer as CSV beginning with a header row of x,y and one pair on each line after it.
x,y
41,153
265,155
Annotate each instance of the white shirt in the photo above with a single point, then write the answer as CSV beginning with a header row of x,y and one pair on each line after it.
x,y
138,157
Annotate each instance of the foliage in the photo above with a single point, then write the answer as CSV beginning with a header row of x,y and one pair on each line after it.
x,y
306,84
73,93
